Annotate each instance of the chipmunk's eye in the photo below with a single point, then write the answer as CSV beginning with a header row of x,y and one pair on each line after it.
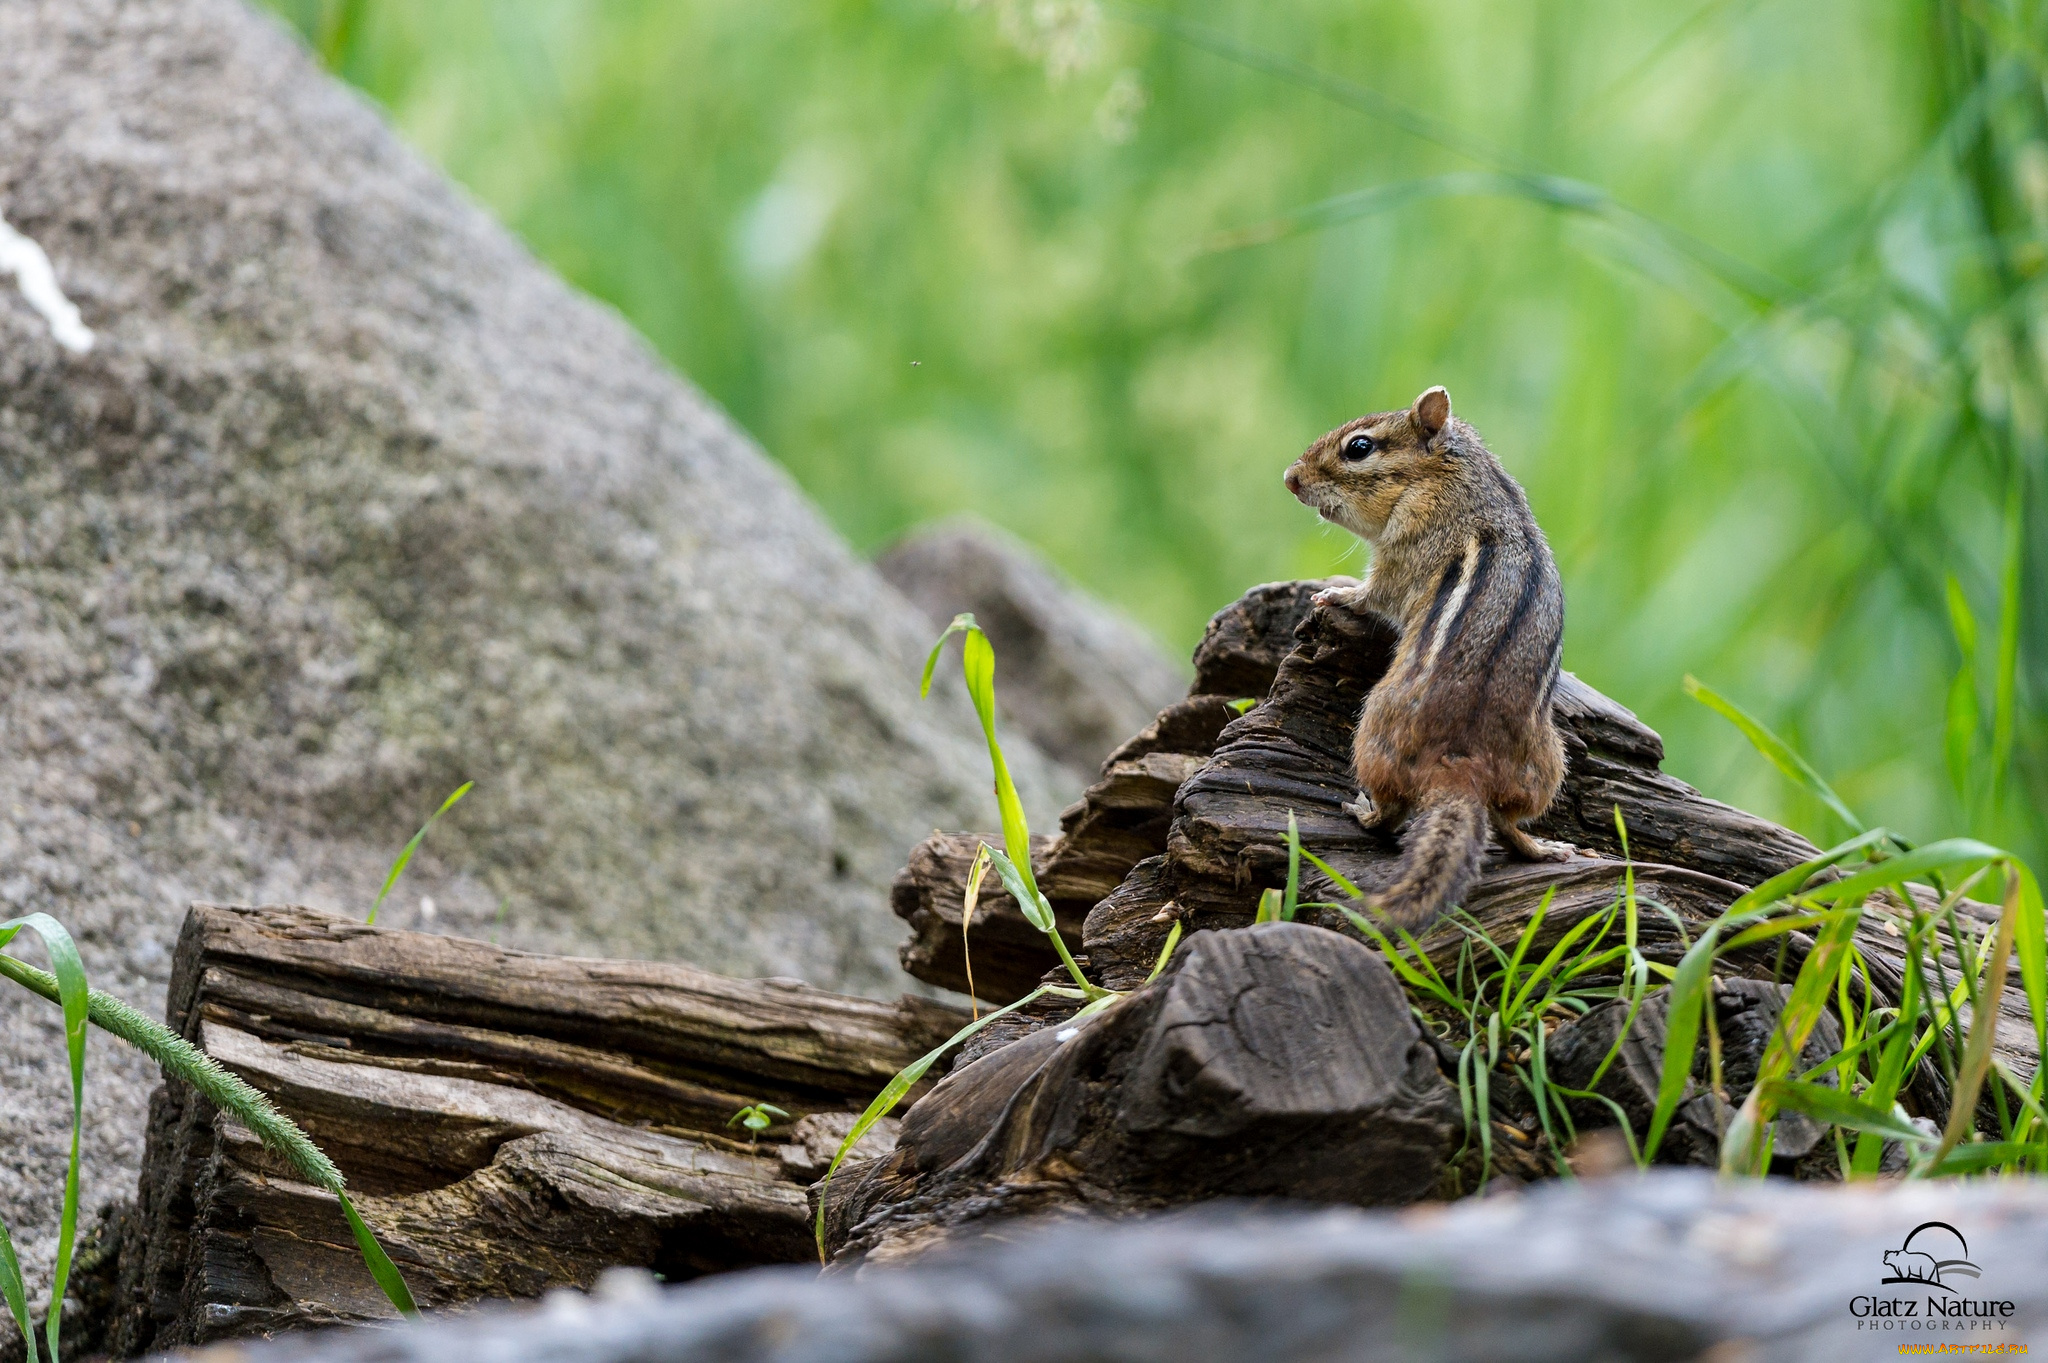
x,y
1356,448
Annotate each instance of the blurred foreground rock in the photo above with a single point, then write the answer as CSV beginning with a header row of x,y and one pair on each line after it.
x,y
1074,675
351,501
1666,1267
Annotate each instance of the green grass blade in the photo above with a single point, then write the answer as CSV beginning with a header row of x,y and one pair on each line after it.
x,y
2005,685
1789,882
2028,945
1523,941
978,663
1977,1157
1165,952
381,1268
1293,900
961,622
1914,865
72,994
1776,750
1962,1112
1891,1064
1825,1103
16,1292
892,1094
1036,908
1776,927
1743,1146
1431,984
1964,718
398,867
1269,907
1688,997
1336,877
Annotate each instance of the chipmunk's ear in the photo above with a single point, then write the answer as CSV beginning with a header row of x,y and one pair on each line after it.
x,y
1431,412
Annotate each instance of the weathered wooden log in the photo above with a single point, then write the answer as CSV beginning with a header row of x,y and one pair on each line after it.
x,y
1290,754
1277,1061
508,1122
1289,757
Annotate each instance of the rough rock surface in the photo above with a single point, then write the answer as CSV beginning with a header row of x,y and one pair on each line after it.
x,y
353,501
1077,677
1670,1266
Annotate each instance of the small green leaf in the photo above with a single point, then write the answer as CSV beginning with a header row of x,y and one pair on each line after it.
x,y
398,867
1269,907
1037,911
1244,703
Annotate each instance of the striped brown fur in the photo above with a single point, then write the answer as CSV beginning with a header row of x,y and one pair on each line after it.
x,y
1458,736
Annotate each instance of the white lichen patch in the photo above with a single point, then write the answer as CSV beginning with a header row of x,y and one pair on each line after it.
x,y
21,257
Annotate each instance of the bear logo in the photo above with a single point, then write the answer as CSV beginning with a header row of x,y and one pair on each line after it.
x,y
1918,1268
1909,1265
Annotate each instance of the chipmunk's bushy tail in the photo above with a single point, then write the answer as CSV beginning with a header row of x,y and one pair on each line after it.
x,y
1440,854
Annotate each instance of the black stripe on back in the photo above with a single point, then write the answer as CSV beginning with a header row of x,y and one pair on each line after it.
x,y
1482,561
1446,582
1531,580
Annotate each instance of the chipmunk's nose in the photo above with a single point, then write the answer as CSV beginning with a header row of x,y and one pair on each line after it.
x,y
1293,481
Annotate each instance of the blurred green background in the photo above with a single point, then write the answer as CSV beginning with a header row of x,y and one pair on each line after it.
x,y
1748,294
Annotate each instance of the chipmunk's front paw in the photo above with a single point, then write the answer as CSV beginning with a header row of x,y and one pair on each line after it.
x,y
1344,598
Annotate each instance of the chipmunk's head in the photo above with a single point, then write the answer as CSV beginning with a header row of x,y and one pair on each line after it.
x,y
1357,474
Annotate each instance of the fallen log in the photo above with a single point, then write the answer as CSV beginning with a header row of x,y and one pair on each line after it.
x,y
509,1122
1224,843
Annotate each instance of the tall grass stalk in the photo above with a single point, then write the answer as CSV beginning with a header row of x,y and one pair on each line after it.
x,y
181,1060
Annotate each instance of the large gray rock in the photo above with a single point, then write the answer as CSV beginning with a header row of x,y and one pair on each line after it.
x,y
1668,1267
352,501
1078,677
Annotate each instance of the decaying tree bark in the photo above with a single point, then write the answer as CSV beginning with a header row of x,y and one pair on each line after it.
x,y
511,1122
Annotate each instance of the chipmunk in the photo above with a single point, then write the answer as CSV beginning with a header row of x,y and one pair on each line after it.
x,y
1458,734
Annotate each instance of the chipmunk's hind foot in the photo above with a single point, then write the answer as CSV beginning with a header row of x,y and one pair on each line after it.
x,y
1527,848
